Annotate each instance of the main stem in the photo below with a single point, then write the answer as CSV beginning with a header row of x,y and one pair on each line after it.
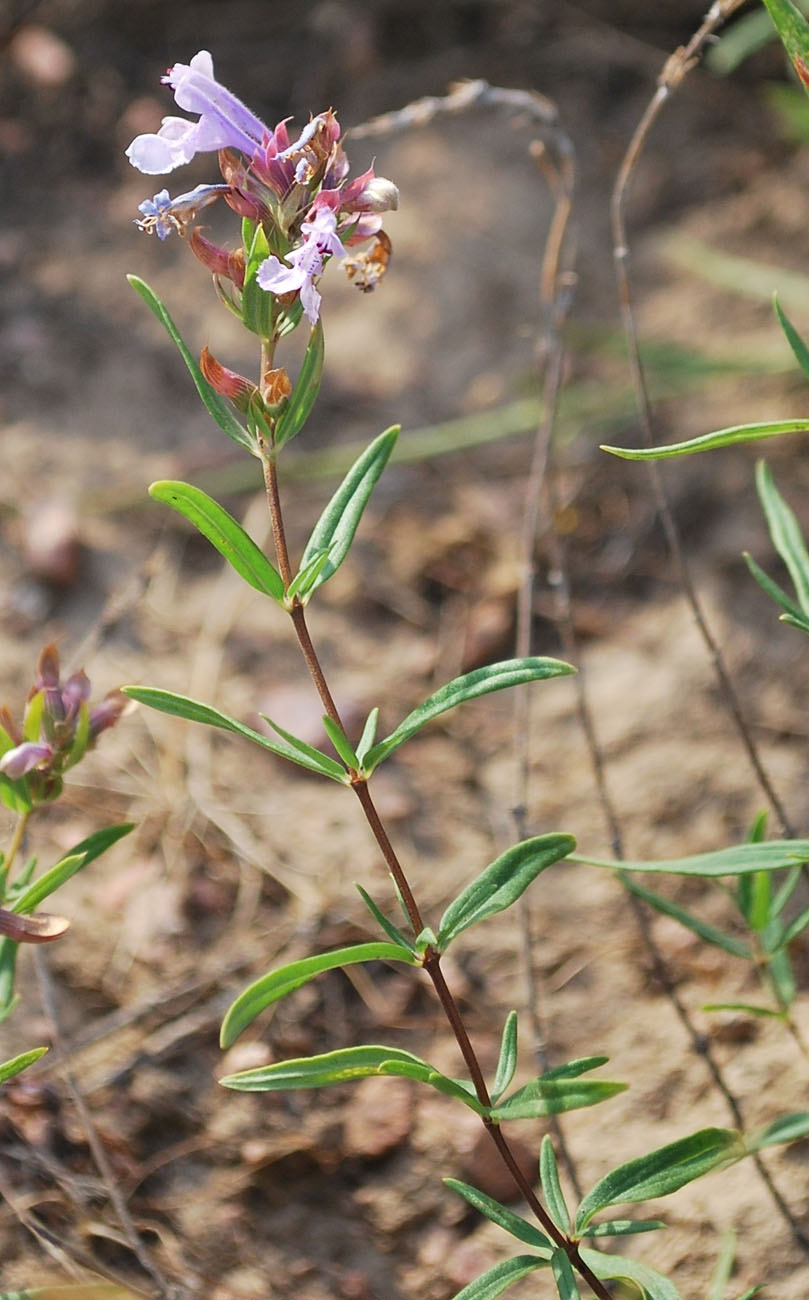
x,y
432,958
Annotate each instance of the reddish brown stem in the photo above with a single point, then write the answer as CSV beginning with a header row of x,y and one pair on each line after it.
x,y
432,959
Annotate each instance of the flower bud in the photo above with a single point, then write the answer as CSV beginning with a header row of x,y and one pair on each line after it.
x,y
239,390
379,195
218,260
276,386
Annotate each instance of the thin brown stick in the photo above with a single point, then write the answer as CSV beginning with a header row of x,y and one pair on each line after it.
x,y
165,1290
556,284
432,959
674,71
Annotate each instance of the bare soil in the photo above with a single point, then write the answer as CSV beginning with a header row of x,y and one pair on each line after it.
x,y
237,862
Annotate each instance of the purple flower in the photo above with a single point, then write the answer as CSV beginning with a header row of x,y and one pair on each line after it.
x,y
163,214
24,758
224,122
305,262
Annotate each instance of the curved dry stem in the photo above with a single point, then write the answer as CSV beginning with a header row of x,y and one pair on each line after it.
x,y
674,71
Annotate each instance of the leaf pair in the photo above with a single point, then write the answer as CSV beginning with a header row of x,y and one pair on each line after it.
x,y
658,1174
496,888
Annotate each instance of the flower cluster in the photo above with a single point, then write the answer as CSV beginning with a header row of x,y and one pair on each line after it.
x,y
296,190
58,727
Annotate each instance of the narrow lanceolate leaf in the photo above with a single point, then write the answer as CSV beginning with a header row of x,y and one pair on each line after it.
x,y
194,711
776,593
551,1187
502,1216
709,933
663,1171
795,928
789,1128
785,533
624,1227
392,931
279,983
482,681
341,743
308,754
223,532
17,1064
793,29
368,734
546,1096
495,1280
304,394
335,529
799,348
79,857
345,1065
507,1060
215,405
654,1285
502,883
711,441
564,1277
771,856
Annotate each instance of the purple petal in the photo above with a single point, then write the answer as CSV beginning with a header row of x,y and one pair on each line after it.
x,y
24,758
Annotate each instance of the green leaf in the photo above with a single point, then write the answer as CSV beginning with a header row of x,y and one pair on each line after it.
x,y
711,441
304,395
745,1008
799,348
624,1227
368,734
789,1128
694,923
494,1281
279,983
392,931
78,858
214,403
663,1171
793,29
776,593
787,889
258,305
507,1060
544,1096
573,1069
654,1285
482,681
335,529
194,711
8,963
223,532
795,928
771,856
17,1064
341,743
502,1216
305,580
551,1186
343,1066
309,755
724,1266
755,894
564,1277
502,883
785,533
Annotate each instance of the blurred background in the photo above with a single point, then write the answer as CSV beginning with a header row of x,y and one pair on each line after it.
x,y
238,864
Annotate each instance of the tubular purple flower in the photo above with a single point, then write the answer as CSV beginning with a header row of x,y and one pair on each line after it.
x,y
24,758
224,122
306,262
163,214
